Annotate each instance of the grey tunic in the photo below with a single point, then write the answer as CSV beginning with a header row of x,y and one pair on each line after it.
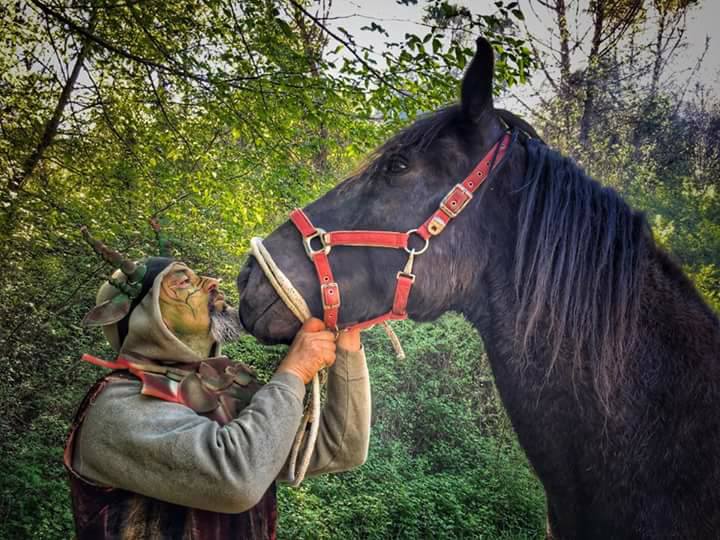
x,y
166,451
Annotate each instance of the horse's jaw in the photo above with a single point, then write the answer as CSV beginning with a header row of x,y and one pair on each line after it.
x,y
262,313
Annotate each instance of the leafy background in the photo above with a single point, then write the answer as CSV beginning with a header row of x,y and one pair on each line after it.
x,y
218,117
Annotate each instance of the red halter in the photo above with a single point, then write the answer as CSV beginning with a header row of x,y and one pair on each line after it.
x,y
452,204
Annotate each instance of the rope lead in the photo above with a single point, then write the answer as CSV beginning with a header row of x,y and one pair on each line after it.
x,y
297,305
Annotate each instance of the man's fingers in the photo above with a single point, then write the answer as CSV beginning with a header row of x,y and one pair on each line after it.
x,y
322,336
313,325
326,348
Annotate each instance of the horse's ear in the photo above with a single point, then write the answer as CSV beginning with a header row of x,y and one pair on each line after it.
x,y
476,96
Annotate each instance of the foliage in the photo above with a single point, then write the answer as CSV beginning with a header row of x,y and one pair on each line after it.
x,y
219,117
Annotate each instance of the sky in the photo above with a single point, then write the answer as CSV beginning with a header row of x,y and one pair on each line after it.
x,y
397,19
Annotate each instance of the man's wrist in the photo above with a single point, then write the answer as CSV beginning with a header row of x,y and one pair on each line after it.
x,y
350,365
288,369
291,381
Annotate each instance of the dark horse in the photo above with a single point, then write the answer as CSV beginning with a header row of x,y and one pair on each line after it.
x,y
604,354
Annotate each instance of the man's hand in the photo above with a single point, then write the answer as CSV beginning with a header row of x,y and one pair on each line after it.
x,y
312,349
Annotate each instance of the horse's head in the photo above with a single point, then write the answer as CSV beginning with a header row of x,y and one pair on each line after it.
x,y
398,190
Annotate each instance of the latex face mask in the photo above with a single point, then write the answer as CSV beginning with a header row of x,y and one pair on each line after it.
x,y
187,302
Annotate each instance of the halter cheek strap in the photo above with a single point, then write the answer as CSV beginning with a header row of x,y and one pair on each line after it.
x,y
454,202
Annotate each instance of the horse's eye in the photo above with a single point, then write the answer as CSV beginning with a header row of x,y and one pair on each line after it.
x,y
397,165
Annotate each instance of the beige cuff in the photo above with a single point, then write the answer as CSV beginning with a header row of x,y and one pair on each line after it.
x,y
350,365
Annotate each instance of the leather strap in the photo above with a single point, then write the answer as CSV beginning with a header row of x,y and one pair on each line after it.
x,y
383,239
302,222
402,294
459,196
329,289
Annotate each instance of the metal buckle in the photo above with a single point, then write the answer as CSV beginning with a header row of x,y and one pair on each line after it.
x,y
407,275
453,212
322,295
319,233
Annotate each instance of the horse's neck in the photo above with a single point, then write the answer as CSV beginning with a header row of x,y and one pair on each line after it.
x,y
665,432
674,314
494,317
676,331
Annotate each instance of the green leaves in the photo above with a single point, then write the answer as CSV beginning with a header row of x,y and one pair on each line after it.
x,y
284,27
218,117
375,27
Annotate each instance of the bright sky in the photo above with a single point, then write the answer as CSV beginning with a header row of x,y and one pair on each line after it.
x,y
398,19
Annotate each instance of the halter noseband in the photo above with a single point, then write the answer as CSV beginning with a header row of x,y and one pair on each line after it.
x,y
450,207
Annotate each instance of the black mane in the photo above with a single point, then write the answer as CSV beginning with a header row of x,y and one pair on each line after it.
x,y
577,270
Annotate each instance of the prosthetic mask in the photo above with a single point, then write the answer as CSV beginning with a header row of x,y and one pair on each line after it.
x,y
159,309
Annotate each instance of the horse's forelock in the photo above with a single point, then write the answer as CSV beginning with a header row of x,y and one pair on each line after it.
x,y
577,271
417,137
424,132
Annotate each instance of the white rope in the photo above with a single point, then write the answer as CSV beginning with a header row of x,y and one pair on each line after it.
x,y
296,303
394,341
280,282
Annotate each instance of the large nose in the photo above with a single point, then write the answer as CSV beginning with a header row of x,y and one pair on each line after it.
x,y
209,283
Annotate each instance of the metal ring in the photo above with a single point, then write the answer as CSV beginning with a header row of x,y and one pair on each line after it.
x,y
412,251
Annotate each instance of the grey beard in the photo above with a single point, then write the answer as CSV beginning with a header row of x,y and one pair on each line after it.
x,y
225,325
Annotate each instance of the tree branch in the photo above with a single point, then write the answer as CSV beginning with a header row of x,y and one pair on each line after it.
x,y
347,45
51,126
105,44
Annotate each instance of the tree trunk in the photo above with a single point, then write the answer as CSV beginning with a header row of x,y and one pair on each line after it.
x,y
313,45
51,126
591,74
658,61
565,90
561,12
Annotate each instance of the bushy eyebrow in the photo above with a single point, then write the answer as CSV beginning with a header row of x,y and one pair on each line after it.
x,y
179,273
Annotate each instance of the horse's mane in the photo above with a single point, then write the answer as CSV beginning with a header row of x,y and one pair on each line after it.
x,y
514,121
418,135
577,272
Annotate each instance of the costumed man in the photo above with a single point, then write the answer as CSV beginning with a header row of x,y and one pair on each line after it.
x,y
178,442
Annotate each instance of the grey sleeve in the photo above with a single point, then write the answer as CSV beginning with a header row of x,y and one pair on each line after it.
x,y
344,431
166,451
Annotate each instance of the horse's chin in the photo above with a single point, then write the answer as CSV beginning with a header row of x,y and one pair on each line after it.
x,y
262,313
275,325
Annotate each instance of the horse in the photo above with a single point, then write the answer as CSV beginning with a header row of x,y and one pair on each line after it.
x,y
604,354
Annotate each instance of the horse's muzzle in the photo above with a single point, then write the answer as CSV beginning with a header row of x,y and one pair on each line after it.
x,y
262,313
